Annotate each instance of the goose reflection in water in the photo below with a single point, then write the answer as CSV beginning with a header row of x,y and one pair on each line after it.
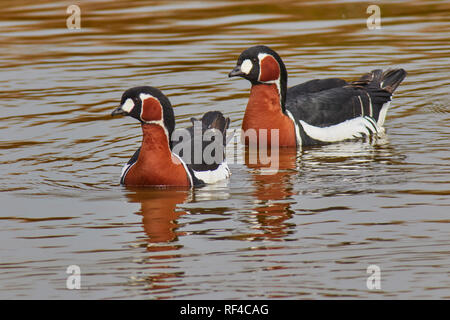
x,y
326,165
273,191
160,211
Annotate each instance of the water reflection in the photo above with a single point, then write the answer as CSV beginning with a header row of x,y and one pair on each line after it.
x,y
159,213
350,168
358,151
273,191
314,170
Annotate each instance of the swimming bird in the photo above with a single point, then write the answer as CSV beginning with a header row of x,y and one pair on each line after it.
x,y
317,111
156,163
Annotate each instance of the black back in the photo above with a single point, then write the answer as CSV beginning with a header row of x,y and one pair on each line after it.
x,y
328,102
210,120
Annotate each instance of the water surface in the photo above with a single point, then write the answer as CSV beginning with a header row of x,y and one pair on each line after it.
x,y
308,231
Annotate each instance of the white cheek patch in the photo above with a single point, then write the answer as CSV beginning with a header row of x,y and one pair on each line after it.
x,y
246,66
128,105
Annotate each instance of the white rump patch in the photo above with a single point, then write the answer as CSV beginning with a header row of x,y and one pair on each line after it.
x,y
246,66
212,176
350,129
128,105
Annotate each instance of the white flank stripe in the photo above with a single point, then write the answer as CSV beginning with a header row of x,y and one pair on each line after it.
x,y
297,129
125,170
191,182
349,129
370,105
212,176
383,112
362,108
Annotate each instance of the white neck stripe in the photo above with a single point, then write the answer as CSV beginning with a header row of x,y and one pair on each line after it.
x,y
145,96
261,56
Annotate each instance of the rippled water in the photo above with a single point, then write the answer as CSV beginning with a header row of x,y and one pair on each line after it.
x,y
308,231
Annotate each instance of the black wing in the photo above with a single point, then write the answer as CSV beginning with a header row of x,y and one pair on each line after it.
x,y
128,165
188,146
328,102
313,86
